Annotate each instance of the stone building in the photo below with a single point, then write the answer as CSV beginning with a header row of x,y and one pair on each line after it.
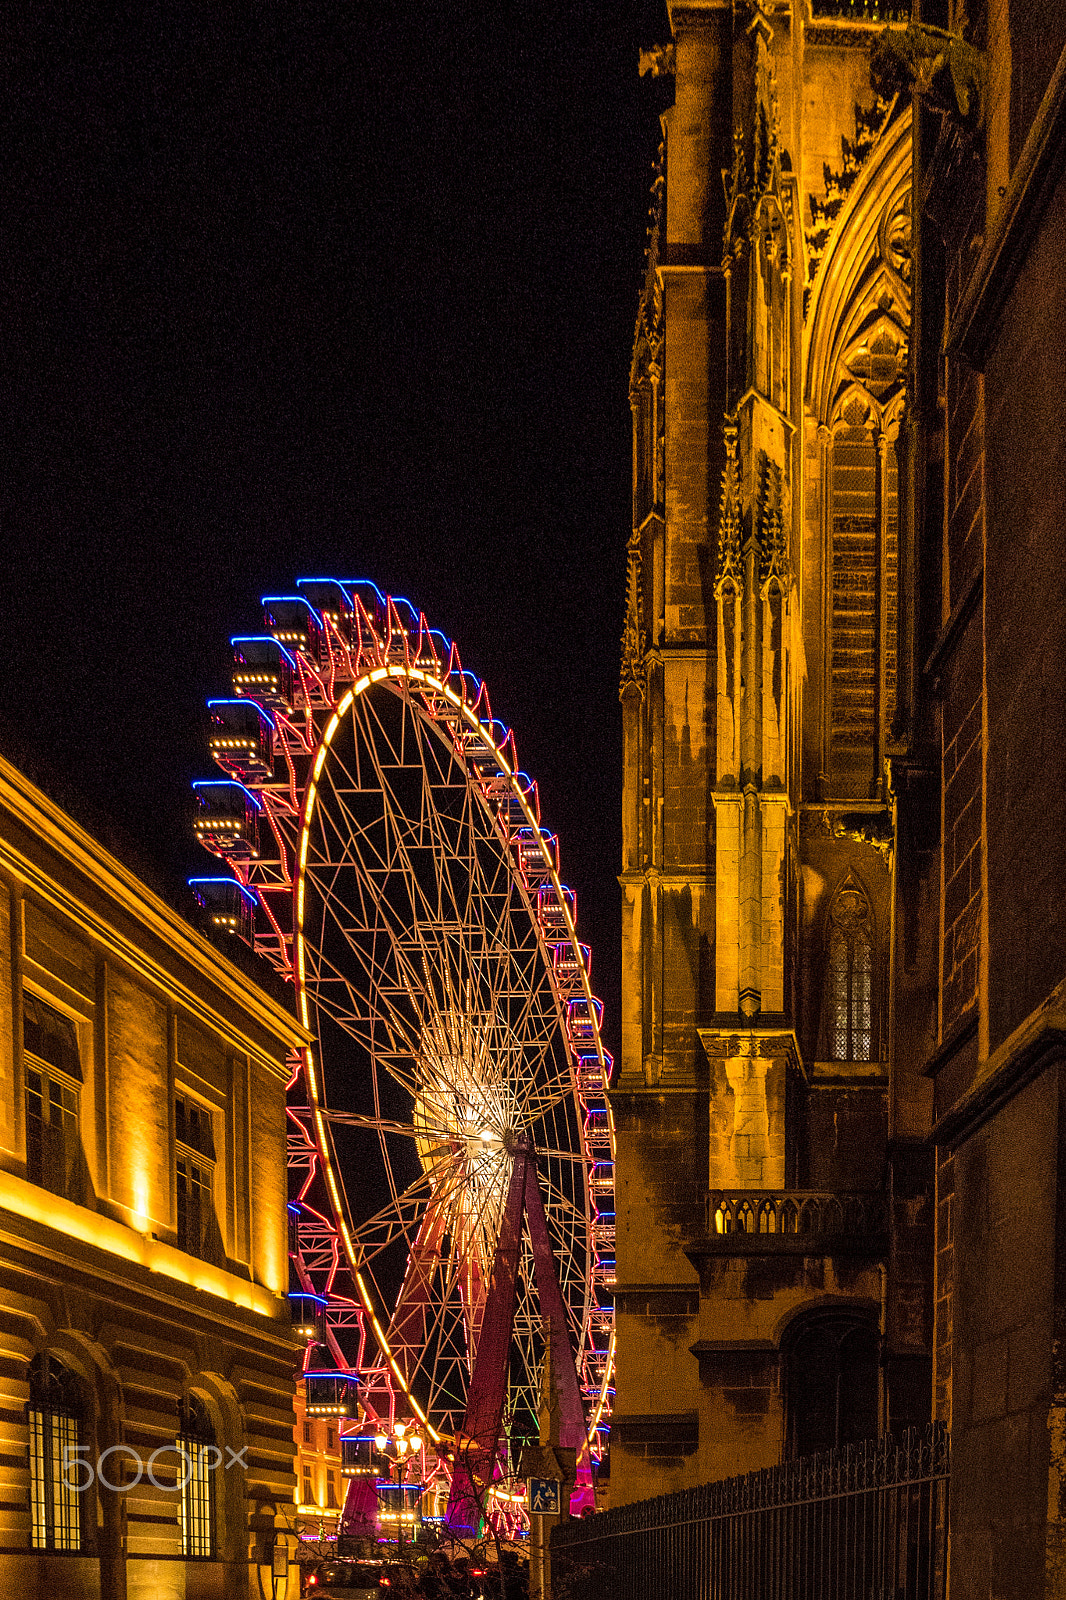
x,y
845,741
142,1236
982,784
774,1179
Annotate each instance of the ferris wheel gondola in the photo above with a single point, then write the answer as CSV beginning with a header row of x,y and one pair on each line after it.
x,y
386,853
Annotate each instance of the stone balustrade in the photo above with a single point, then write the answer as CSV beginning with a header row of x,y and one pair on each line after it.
x,y
794,1213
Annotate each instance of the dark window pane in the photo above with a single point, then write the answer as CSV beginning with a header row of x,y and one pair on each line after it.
x,y
195,1207
192,1126
50,1036
35,1128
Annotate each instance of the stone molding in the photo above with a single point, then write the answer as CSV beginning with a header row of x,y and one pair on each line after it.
x,y
732,1042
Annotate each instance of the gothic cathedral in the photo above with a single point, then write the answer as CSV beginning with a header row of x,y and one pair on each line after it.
x,y
774,1195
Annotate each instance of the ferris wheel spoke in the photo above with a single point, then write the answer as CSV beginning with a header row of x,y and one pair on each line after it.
x,y
421,1131
423,949
401,1037
401,1216
384,982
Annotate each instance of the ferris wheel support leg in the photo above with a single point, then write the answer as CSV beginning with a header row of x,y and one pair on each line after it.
x,y
475,1454
573,1433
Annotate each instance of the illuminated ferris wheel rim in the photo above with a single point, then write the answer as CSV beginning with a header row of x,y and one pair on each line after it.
x,y
433,684
454,703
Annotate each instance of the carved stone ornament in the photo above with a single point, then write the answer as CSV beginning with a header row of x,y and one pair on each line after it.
x,y
758,1044
858,330
839,182
648,334
659,62
730,567
875,831
871,368
753,187
936,64
774,563
633,628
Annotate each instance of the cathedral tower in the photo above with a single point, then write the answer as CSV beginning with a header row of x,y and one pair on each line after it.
x,y
772,1193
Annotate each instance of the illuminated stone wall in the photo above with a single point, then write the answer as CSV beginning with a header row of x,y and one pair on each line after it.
x,y
991,713
760,690
96,1272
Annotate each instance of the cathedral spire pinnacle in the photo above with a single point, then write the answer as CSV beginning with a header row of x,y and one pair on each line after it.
x,y
730,566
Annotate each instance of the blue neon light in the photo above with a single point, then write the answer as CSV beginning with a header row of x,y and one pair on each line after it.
x,y
354,584
226,783
291,600
230,883
246,704
324,583
263,638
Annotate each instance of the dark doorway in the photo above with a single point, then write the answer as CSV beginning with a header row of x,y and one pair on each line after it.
x,y
831,1381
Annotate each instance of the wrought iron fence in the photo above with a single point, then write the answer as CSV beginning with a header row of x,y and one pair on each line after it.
x,y
864,1522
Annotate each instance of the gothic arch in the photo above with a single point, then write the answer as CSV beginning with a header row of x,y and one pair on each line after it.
x,y
861,293
830,1361
856,351
850,1009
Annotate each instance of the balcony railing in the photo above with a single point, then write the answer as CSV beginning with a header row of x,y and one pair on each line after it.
x,y
791,1220
866,1520
877,11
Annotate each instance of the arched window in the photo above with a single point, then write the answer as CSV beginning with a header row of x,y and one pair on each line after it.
x,y
199,1456
54,1417
849,984
831,1381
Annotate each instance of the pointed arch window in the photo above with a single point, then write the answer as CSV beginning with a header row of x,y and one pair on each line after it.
x,y
54,1416
831,1381
850,976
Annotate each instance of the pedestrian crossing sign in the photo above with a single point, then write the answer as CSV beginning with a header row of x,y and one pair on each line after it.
x,y
544,1496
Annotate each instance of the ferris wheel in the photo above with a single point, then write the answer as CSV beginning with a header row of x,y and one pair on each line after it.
x,y
386,852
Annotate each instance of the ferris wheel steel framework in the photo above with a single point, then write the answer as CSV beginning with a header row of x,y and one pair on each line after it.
x,y
308,680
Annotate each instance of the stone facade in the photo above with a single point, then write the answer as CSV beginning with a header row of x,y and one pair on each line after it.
x,y
142,1213
772,1186
877,759
988,725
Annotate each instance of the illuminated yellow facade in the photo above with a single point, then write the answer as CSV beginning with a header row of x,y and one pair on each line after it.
x,y
773,1193
143,1223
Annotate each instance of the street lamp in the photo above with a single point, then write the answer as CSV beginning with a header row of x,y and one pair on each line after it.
x,y
404,1445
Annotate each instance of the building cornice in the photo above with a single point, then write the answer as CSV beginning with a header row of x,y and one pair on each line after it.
x,y
1036,1044
56,1229
697,878
62,838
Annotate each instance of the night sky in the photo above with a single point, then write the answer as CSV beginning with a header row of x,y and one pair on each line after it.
x,y
303,289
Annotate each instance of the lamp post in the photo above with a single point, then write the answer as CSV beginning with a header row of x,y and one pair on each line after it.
x,y
405,1446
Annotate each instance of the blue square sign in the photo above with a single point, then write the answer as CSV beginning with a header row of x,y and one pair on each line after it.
x,y
544,1496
